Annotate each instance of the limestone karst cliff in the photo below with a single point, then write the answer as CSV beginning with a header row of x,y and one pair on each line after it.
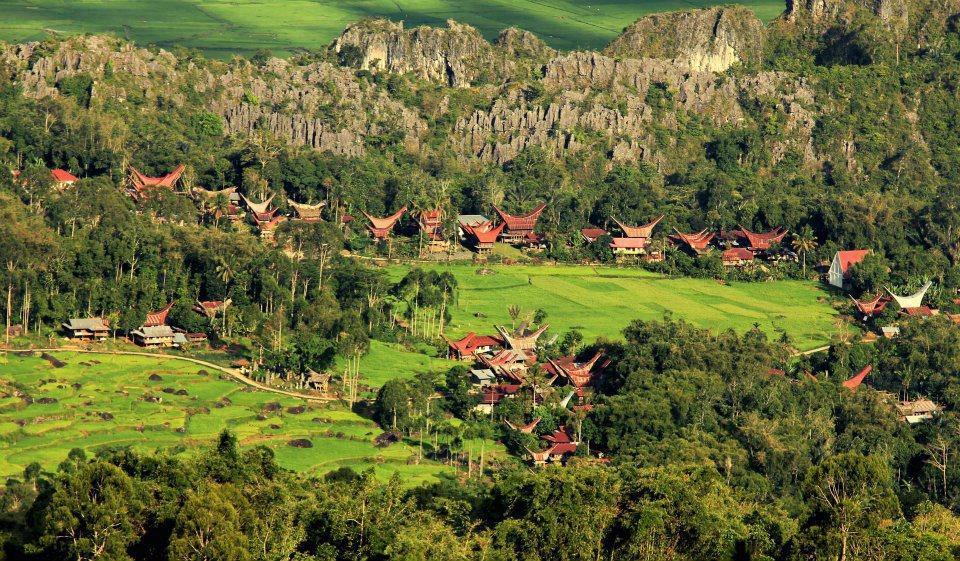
x,y
450,89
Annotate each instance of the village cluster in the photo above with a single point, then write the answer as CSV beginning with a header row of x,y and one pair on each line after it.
x,y
507,362
504,364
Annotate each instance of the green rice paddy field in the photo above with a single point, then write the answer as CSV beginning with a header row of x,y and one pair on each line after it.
x,y
602,301
225,27
98,400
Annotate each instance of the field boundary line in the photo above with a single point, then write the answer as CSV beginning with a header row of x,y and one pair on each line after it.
x,y
232,372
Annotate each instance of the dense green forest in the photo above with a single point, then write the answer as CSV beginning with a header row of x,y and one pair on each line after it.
x,y
712,457
838,122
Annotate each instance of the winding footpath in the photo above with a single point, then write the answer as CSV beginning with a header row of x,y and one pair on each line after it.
x,y
232,372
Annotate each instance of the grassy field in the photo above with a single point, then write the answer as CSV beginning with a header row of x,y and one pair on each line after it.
x,y
222,28
101,400
386,361
602,301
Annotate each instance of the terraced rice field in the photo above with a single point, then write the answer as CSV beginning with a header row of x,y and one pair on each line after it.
x,y
96,401
600,302
223,28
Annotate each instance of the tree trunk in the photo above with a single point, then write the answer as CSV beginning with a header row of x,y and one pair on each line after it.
x,y
9,309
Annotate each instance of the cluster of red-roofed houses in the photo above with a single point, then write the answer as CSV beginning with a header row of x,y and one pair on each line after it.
x,y
502,369
738,247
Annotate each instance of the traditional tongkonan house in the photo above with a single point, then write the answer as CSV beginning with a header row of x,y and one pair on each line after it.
x,y
912,305
591,235
853,383
264,218
492,395
737,257
509,364
757,242
472,345
870,308
87,329
305,212
629,247
698,243
522,339
642,231
62,179
260,212
518,228
380,228
840,266
917,411
153,336
430,222
525,429
579,374
268,228
211,308
142,184
482,237
159,317
561,445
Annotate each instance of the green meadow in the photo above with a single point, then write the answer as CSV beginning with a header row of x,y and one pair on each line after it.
x,y
602,301
385,361
223,28
96,401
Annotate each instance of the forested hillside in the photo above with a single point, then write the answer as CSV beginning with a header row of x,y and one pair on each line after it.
x,y
838,121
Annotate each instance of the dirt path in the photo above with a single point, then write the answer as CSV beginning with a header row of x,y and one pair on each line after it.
x,y
232,372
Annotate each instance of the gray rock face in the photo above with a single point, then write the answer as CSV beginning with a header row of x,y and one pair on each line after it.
x,y
455,55
701,40
511,125
319,105
833,11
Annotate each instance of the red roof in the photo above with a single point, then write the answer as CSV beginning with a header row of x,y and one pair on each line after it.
x,y
871,307
592,233
853,383
629,243
563,448
697,241
763,240
558,436
578,373
430,222
63,176
484,233
919,311
472,342
159,317
380,227
642,231
851,257
141,181
521,223
737,254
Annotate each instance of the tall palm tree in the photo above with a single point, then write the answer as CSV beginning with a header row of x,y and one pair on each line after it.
x,y
803,242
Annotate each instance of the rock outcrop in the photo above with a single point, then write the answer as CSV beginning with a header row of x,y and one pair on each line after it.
x,y
701,40
650,96
320,105
456,55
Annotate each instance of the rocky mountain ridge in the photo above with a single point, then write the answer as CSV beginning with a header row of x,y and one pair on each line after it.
x,y
630,102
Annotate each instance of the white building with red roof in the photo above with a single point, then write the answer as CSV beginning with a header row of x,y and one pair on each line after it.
x,y
840,266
